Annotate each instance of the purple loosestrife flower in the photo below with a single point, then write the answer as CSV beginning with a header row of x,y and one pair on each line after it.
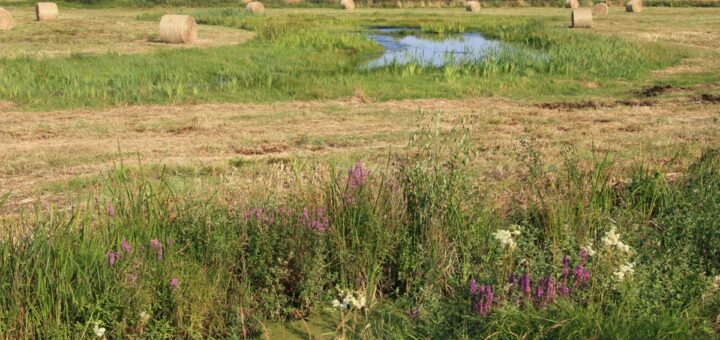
x,y
413,313
540,290
563,289
485,300
473,287
112,257
316,219
357,176
174,284
565,269
581,275
158,246
132,278
525,284
126,246
550,289
110,209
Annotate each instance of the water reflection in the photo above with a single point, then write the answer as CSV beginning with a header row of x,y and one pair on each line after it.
x,y
403,46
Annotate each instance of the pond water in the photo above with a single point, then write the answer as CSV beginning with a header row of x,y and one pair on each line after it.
x,y
404,45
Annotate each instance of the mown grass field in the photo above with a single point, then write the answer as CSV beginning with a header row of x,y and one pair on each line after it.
x,y
231,188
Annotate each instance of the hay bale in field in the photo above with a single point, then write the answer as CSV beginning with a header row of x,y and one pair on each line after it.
x,y
178,29
472,6
347,5
581,18
255,7
572,4
600,9
6,20
46,11
634,6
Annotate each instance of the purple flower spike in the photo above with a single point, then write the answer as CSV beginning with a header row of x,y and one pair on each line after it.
x,y
357,176
550,288
126,246
112,257
158,246
540,290
485,300
525,284
110,209
583,256
473,287
174,284
316,219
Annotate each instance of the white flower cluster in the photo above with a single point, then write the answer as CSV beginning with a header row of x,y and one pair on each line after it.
x,y
99,331
350,300
144,317
506,237
624,270
612,239
589,248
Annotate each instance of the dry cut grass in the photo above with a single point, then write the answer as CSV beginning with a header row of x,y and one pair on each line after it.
x,y
83,31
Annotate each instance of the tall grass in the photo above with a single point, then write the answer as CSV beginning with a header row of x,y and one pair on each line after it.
x,y
409,237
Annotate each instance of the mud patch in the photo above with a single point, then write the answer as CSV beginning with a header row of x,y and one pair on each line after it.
x,y
261,150
710,98
590,104
656,90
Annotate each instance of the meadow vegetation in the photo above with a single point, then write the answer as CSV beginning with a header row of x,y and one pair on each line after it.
x,y
412,249
440,215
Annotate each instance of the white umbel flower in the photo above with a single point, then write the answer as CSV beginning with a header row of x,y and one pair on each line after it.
x,y
99,331
612,239
505,237
624,270
144,317
589,248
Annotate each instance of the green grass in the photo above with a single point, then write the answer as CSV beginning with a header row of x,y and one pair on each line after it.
x,y
409,236
316,56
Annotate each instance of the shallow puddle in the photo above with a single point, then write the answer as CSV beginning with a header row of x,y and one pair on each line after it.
x,y
404,45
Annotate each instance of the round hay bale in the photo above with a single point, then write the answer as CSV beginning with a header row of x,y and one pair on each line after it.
x,y
472,6
581,18
46,11
255,7
572,4
6,20
347,5
634,6
178,29
600,9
